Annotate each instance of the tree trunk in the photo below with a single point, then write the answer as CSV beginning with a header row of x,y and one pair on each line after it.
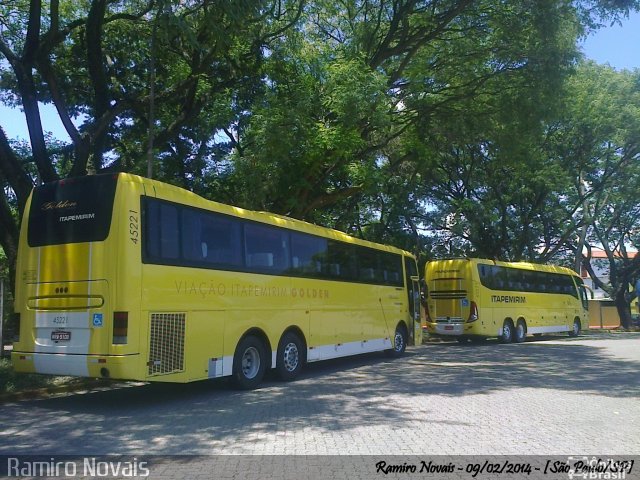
x,y
624,310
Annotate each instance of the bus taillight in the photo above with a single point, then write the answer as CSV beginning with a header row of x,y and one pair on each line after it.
x,y
473,313
120,327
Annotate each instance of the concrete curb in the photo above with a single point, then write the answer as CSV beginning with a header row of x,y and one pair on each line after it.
x,y
90,385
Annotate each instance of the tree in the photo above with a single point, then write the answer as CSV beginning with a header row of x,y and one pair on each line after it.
x,y
355,97
378,117
91,61
478,134
599,140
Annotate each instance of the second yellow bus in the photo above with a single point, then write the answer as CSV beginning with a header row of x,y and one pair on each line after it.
x,y
470,298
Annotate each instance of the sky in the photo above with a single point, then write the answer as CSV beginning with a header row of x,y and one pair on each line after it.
x,y
617,45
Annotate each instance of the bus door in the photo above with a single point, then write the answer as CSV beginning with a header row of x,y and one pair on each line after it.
x,y
413,290
414,310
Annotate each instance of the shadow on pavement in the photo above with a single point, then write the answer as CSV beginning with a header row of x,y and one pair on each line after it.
x,y
334,395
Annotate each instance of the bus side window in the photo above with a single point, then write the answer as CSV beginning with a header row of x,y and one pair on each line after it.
x,y
191,231
221,236
368,266
392,269
266,248
583,297
161,232
340,261
308,253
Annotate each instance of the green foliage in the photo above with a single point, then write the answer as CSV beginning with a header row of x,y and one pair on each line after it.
x,y
596,140
10,382
306,143
8,327
443,127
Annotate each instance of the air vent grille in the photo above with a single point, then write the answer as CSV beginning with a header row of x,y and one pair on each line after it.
x,y
166,345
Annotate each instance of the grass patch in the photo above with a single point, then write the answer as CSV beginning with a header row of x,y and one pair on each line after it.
x,y
12,382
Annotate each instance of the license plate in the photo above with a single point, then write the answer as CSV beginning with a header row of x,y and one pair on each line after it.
x,y
60,335
448,327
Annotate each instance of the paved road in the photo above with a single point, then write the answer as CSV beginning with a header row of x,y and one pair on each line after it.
x,y
555,396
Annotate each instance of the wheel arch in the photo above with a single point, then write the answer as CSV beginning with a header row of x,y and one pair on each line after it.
x,y
402,323
295,329
260,334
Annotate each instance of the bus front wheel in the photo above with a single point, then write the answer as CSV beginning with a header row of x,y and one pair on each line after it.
x,y
399,341
575,331
249,363
507,332
290,357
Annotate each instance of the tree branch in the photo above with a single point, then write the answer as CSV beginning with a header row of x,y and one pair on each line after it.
x,y
32,40
14,172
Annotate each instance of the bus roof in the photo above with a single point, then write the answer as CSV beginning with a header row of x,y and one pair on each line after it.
x,y
180,195
519,265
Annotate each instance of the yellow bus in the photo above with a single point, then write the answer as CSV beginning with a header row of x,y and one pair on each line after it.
x,y
125,277
470,298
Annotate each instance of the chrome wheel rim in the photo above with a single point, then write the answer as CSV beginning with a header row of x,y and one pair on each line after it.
x,y
250,362
506,332
291,357
399,342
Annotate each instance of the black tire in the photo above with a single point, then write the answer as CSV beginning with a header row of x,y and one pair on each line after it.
x,y
399,341
520,332
290,357
249,363
575,331
507,332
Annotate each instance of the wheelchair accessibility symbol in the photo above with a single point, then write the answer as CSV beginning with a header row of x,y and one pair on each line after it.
x,y
97,319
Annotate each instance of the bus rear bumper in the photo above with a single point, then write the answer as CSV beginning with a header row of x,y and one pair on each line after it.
x,y
445,329
93,366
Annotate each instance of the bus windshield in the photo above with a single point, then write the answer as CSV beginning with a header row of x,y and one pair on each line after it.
x,y
72,211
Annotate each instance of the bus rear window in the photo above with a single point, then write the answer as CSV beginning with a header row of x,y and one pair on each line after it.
x,y
72,211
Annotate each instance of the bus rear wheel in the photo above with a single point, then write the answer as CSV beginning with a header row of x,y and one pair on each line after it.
x,y
575,331
290,357
520,332
249,363
507,332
